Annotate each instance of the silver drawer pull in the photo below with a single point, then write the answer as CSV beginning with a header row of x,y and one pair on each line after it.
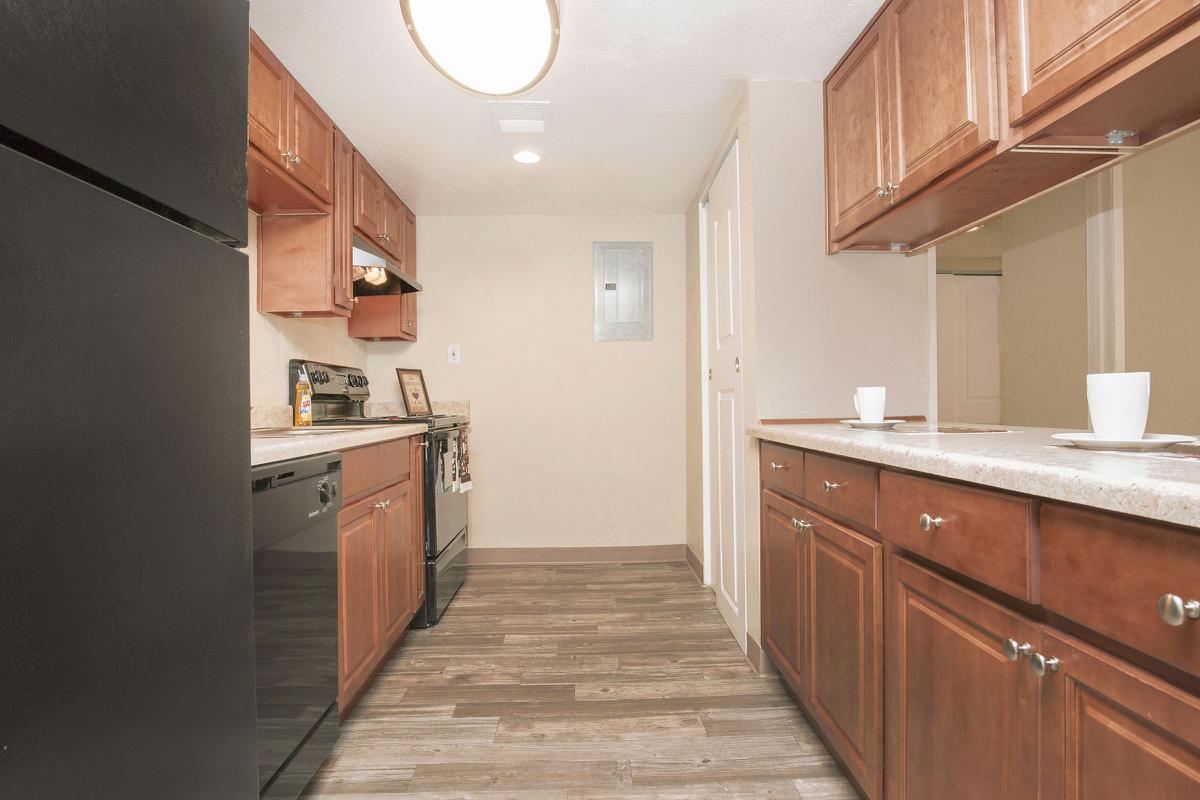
x,y
928,523
776,467
801,525
1040,664
829,487
1174,610
1013,650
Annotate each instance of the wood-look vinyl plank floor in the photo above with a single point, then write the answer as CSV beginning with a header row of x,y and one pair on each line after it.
x,y
574,682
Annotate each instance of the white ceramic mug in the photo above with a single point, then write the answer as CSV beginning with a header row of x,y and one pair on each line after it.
x,y
869,402
1118,403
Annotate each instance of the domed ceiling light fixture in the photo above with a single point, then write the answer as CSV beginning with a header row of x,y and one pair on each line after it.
x,y
490,47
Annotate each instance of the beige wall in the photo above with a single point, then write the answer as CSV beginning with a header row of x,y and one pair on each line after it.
x,y
825,324
816,326
574,443
1162,279
1043,311
274,340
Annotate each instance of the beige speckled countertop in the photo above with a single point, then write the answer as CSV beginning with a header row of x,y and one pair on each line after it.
x,y
266,449
1025,461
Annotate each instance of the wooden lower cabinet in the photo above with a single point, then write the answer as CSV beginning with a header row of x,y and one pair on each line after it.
x,y
380,561
845,632
359,644
396,556
1112,732
784,573
962,719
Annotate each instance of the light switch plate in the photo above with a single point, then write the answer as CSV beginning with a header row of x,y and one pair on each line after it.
x,y
453,354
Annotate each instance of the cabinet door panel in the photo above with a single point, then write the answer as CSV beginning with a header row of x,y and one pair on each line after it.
x,y
784,567
959,714
267,114
343,224
408,316
943,59
395,560
358,599
368,200
393,225
846,635
311,144
1113,732
1054,46
857,132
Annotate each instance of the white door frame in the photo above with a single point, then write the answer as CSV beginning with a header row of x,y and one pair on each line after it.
x,y
706,410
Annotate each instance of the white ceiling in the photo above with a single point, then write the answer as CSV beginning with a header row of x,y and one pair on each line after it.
x,y
640,94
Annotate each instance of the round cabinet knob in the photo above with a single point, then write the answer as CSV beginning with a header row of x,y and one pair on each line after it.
x,y
1013,650
776,467
1174,610
800,525
928,522
1041,665
881,192
829,487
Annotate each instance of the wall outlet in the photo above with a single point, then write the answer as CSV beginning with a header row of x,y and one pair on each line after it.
x,y
454,354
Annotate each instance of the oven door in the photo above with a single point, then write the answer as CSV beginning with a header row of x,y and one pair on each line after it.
x,y
449,507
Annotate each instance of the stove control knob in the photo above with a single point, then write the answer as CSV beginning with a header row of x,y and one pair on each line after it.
x,y
323,494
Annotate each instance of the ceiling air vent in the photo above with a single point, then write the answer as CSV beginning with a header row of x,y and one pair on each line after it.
x,y
519,116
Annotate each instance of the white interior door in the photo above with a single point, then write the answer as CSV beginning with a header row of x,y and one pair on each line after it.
x,y
726,434
968,357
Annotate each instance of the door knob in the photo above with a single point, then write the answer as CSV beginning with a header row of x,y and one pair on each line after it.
x,y
1040,664
1013,650
1174,610
928,522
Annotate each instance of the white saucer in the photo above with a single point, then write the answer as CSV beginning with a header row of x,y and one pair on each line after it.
x,y
858,424
1151,441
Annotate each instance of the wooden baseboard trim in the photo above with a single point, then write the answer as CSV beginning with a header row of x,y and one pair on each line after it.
x,y
641,554
695,563
831,420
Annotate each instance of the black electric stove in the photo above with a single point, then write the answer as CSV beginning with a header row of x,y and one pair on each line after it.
x,y
339,397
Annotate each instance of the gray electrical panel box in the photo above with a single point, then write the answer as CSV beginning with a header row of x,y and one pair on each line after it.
x,y
624,291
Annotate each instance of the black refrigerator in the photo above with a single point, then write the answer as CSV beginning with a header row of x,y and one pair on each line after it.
x,y
126,647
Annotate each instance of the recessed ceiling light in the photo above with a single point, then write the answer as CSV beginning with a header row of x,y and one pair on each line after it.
x,y
491,47
527,157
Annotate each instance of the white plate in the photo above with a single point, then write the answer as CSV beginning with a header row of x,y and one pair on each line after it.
x,y
1151,441
886,425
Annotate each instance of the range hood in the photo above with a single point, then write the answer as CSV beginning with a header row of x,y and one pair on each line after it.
x,y
367,263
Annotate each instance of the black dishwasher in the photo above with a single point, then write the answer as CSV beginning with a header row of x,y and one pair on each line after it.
x,y
295,619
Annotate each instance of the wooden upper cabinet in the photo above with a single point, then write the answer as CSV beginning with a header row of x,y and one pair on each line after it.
x,y
311,143
392,234
1054,46
959,712
785,549
408,314
845,631
942,66
857,136
343,223
268,104
1112,732
368,200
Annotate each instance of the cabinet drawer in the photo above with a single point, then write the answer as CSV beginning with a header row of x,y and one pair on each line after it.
x,y
782,468
374,466
986,535
847,488
1108,573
